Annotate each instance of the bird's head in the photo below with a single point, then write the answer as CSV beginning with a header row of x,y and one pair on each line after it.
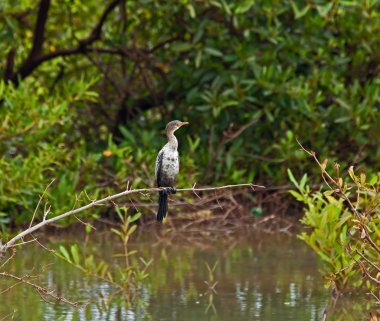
x,y
172,126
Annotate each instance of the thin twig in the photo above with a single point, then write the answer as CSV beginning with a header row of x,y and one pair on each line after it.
x,y
13,314
41,290
9,259
367,260
366,272
39,202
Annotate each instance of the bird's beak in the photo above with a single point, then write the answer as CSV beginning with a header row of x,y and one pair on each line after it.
x,y
185,123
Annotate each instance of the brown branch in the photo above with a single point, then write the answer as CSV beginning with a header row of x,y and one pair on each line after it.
x,y
366,272
362,265
39,31
368,261
229,136
35,57
10,63
123,14
41,290
9,259
165,42
21,16
96,32
102,201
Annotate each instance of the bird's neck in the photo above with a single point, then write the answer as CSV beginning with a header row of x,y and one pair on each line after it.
x,y
172,141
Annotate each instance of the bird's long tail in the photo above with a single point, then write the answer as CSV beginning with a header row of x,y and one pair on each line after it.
x,y
162,205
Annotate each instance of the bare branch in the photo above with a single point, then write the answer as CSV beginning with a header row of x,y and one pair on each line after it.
x,y
41,290
39,202
366,272
10,314
39,31
10,63
229,135
102,201
368,261
9,259
35,57
96,32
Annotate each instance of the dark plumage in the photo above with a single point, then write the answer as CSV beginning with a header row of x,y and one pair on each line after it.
x,y
162,205
167,168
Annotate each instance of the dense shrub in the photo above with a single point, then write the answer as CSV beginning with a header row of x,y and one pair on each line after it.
x,y
343,227
250,76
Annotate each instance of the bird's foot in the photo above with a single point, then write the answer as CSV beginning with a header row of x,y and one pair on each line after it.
x,y
171,190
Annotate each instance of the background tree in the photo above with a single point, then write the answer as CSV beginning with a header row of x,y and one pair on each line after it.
x,y
99,79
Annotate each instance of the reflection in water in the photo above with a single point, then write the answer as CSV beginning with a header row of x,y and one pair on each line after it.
x,y
211,284
261,277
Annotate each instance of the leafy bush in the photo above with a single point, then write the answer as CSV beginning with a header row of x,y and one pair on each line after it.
x,y
40,144
344,227
250,77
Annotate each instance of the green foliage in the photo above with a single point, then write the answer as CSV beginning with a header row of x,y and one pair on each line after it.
x,y
328,222
39,144
250,77
295,67
126,271
337,228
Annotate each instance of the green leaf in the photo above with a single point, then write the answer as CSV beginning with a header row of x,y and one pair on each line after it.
x,y
181,46
133,252
88,229
257,211
292,179
65,253
373,180
119,212
343,119
191,9
214,52
226,7
75,254
299,197
198,59
244,6
134,217
103,269
117,232
324,10
132,229
299,13
303,181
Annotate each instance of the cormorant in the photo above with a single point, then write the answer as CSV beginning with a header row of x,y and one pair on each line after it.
x,y
167,167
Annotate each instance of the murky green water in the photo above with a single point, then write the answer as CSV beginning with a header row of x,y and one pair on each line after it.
x,y
259,277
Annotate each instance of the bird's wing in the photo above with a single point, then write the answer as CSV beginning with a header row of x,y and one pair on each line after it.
x,y
157,171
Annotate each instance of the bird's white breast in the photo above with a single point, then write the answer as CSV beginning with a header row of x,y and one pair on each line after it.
x,y
170,162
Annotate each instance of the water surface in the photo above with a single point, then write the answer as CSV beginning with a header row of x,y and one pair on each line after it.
x,y
258,277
